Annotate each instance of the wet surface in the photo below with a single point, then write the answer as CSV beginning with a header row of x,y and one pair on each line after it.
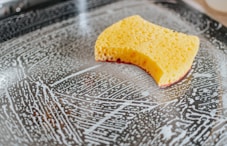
x,y
53,92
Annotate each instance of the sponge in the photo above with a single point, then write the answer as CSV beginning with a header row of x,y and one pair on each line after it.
x,y
165,54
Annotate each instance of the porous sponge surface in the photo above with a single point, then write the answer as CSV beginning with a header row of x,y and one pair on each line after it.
x,y
165,54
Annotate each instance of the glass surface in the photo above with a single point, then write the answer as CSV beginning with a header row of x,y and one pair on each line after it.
x,y
13,7
52,91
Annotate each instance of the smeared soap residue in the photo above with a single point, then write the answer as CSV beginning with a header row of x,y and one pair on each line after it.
x,y
167,132
52,92
223,72
145,93
196,75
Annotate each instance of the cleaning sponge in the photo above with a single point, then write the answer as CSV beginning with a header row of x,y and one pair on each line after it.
x,y
165,54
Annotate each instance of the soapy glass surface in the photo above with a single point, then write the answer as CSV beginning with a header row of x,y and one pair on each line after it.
x,y
54,92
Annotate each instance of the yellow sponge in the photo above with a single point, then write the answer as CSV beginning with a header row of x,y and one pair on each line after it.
x,y
165,54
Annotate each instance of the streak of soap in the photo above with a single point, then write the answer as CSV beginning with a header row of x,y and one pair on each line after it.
x,y
205,75
3,81
82,6
223,73
167,132
145,93
7,77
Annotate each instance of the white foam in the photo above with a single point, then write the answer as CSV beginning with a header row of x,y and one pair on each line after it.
x,y
196,75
